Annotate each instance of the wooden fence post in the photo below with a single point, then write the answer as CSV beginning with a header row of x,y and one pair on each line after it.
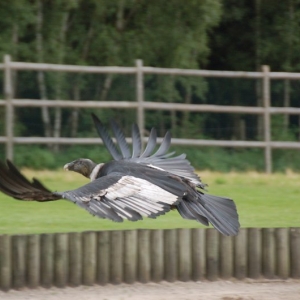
x,y
198,254
254,252
212,254
75,258
130,256
268,253
295,252
5,262
19,261
47,260
103,257
61,259
116,258
282,252
33,260
184,254
240,254
144,263
170,254
9,114
147,255
89,268
157,255
140,97
267,118
226,257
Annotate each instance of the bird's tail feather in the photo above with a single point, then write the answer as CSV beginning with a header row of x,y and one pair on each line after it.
x,y
220,212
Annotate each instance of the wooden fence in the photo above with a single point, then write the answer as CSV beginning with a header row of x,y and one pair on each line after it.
x,y
87,258
141,105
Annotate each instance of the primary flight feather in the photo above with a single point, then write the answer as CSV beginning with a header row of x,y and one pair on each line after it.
x,y
135,184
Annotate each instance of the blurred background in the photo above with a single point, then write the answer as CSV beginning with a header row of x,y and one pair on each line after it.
x,y
220,35
234,35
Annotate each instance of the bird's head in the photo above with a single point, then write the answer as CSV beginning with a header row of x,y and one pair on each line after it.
x,y
84,166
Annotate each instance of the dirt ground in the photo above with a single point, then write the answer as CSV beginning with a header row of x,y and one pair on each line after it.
x,y
219,290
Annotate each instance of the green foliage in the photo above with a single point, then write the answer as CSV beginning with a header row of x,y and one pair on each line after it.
x,y
212,34
204,158
249,32
224,160
284,159
93,32
34,157
97,32
40,157
281,132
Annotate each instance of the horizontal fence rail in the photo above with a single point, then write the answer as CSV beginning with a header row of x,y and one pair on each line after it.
x,y
182,142
152,105
140,105
87,258
147,70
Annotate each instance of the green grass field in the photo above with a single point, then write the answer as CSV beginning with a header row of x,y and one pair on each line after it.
x,y
262,201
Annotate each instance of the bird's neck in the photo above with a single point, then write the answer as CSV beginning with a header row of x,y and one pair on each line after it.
x,y
95,172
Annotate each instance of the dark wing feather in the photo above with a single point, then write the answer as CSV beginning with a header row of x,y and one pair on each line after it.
x,y
221,213
177,165
108,142
164,147
151,144
37,184
121,140
14,184
136,141
123,210
21,179
101,210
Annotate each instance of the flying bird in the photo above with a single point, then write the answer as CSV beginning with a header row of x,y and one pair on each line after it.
x,y
135,184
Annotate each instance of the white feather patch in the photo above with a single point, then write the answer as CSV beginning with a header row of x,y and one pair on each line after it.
x,y
157,168
129,186
95,172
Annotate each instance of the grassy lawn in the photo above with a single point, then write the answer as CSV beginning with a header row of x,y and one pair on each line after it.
x,y
262,201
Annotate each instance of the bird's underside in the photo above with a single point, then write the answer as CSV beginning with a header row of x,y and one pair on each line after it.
x,y
134,185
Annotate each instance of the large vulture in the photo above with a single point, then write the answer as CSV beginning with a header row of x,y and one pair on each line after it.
x,y
135,184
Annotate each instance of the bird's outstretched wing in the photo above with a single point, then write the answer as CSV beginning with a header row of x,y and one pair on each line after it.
x,y
116,196
14,184
177,165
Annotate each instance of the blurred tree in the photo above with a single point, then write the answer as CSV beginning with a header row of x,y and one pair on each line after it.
x,y
101,32
214,34
251,34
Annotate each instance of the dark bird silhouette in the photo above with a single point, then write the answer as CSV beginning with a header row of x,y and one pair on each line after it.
x,y
135,184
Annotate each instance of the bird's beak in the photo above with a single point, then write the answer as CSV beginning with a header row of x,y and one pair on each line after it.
x,y
66,167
